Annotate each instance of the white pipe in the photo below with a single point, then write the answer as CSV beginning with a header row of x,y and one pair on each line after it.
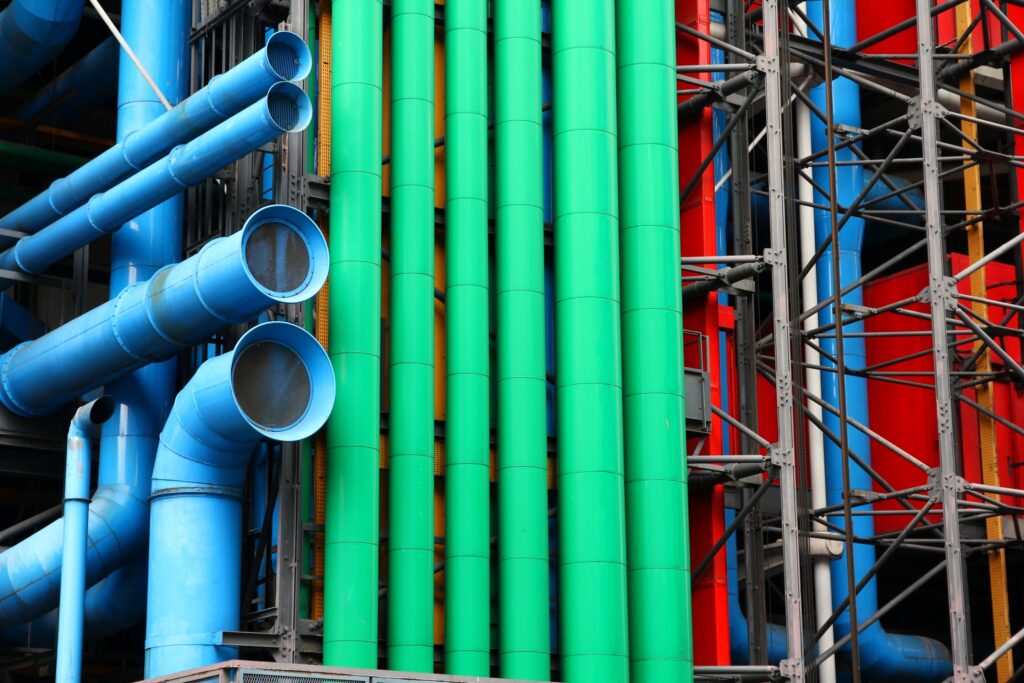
x,y
821,565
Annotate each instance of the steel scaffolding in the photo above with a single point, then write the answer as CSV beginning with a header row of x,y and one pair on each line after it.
x,y
774,55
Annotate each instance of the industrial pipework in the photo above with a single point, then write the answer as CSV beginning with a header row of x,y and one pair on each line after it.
x,y
90,81
286,108
77,478
279,256
284,58
468,418
594,637
524,641
276,384
883,655
32,33
352,530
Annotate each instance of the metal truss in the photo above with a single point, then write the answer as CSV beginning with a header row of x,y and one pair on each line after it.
x,y
940,132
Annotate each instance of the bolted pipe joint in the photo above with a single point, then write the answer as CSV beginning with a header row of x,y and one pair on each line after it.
x,y
277,383
279,256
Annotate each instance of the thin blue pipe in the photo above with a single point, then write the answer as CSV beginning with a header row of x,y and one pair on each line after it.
x,y
230,280
198,480
284,58
883,655
89,82
32,33
77,481
286,108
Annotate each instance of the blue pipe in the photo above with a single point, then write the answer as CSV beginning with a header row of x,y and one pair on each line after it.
x,y
876,200
286,108
88,82
739,638
111,605
284,58
883,655
77,481
159,32
230,280
277,384
32,33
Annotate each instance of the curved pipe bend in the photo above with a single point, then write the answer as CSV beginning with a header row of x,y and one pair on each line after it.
x,y
277,383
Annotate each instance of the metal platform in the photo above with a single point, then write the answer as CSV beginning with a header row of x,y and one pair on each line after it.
x,y
240,671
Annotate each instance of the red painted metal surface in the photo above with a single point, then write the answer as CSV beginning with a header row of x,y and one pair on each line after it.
x,y
905,414
697,220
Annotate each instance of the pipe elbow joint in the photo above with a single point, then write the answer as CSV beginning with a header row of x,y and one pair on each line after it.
x,y
899,657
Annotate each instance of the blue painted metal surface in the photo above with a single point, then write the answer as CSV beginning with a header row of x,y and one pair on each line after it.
x,y
285,58
89,82
77,480
17,323
111,605
883,656
230,280
277,370
286,108
32,33
739,638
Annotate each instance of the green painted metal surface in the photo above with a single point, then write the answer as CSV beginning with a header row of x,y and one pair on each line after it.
x,y
353,431
467,428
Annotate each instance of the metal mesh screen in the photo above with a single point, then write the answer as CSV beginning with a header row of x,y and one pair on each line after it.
x,y
271,384
283,110
277,257
282,60
283,677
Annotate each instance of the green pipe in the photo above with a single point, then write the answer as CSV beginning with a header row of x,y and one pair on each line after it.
x,y
467,429
38,158
591,515
352,530
411,498
524,613
657,532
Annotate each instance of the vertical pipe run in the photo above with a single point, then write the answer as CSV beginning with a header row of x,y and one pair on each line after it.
x,y
882,655
159,35
467,433
410,643
592,544
78,471
523,569
352,525
661,642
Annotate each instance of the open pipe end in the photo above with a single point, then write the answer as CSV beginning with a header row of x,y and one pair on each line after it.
x,y
285,253
282,381
92,415
288,56
289,107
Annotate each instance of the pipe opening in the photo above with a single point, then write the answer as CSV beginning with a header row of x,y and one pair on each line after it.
x,y
283,109
271,384
284,60
102,409
277,256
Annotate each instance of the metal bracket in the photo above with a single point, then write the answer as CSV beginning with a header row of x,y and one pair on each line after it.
x,y
937,480
946,292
